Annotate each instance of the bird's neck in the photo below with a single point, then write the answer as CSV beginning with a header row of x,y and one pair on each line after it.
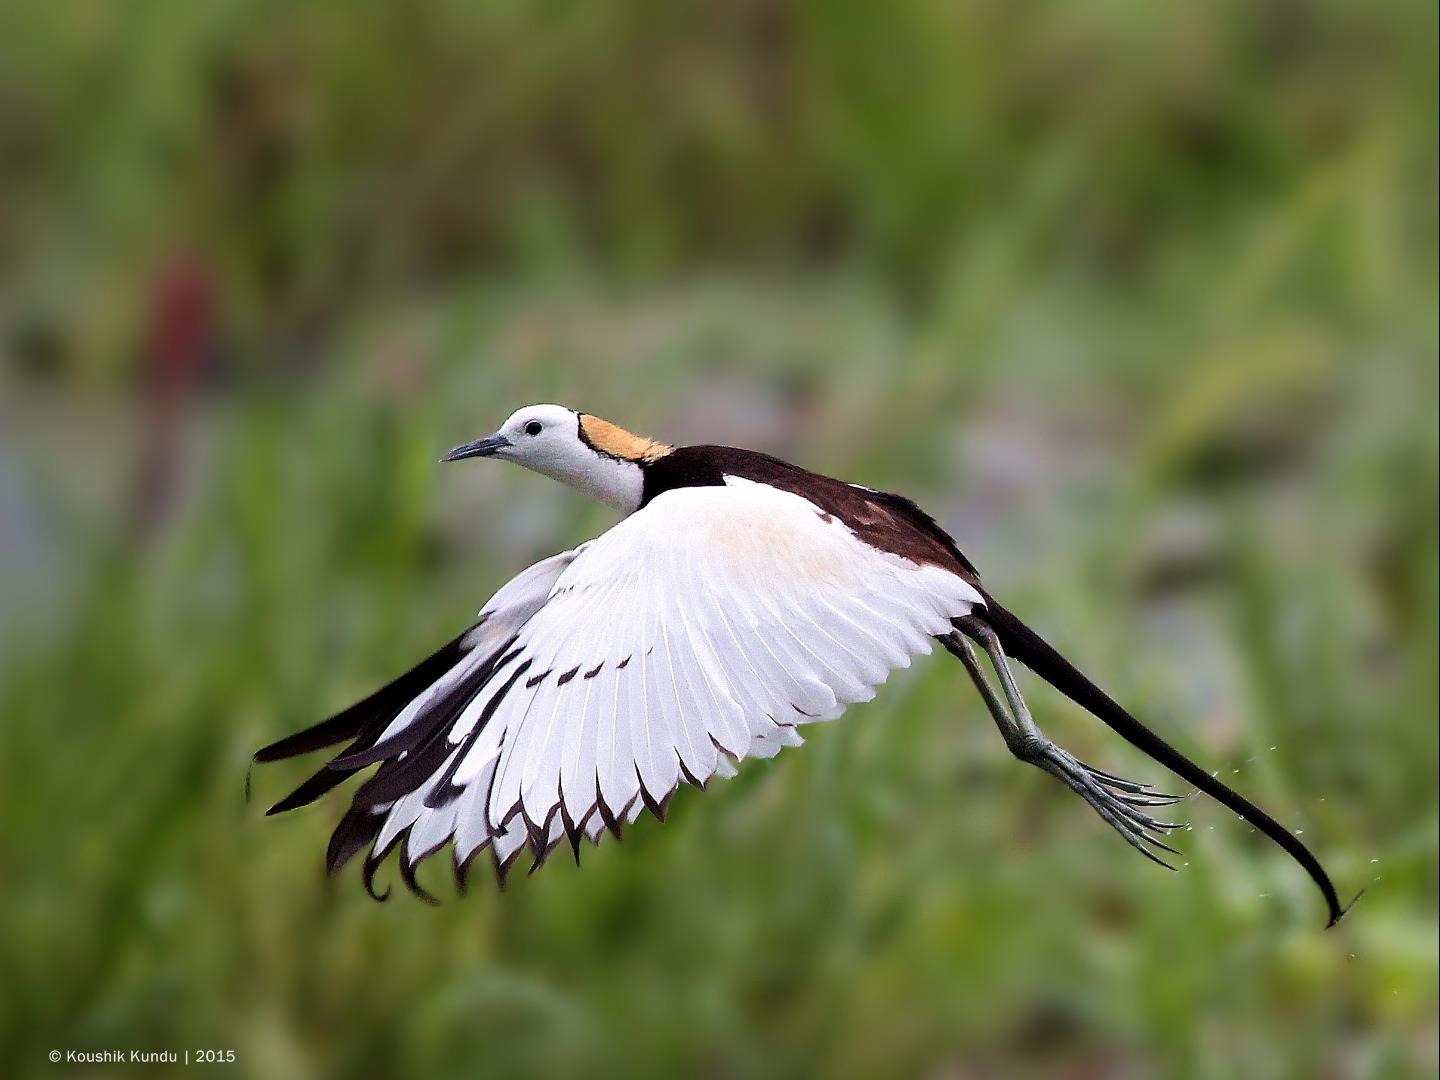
x,y
614,470
616,483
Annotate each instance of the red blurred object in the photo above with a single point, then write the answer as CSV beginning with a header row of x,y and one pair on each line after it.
x,y
179,339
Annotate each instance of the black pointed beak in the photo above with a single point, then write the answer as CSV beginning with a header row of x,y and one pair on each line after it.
x,y
486,447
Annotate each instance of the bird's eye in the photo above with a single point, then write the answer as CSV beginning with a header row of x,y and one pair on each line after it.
x,y
533,427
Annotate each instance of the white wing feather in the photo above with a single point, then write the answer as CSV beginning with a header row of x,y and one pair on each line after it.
x,y
694,634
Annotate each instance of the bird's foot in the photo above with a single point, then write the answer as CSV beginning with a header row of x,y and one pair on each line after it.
x,y
1115,799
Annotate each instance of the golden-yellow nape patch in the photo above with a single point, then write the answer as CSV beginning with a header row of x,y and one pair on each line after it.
x,y
615,441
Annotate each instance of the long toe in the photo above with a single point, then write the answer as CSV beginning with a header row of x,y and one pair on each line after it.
x,y
1152,800
1130,787
1139,830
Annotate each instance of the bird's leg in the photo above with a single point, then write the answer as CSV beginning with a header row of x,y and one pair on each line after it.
x,y
1009,730
1114,799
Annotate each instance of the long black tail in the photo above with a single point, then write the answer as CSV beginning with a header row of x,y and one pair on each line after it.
x,y
1026,646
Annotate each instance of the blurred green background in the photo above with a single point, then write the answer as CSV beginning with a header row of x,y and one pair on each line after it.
x,y
1138,299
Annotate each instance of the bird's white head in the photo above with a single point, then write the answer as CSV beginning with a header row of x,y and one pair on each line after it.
x,y
583,451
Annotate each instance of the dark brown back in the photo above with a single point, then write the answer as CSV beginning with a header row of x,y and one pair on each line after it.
x,y
882,519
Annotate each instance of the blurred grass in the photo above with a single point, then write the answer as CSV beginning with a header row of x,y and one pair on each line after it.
x,y
1140,301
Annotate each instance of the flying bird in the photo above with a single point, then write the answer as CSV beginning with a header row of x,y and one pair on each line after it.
x,y
739,598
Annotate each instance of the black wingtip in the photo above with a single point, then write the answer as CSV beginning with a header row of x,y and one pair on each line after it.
x,y
611,819
572,834
338,728
316,785
1336,914
267,754
462,872
374,711
503,868
367,878
407,875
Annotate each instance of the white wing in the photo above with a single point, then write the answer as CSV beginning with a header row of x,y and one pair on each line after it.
x,y
695,633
